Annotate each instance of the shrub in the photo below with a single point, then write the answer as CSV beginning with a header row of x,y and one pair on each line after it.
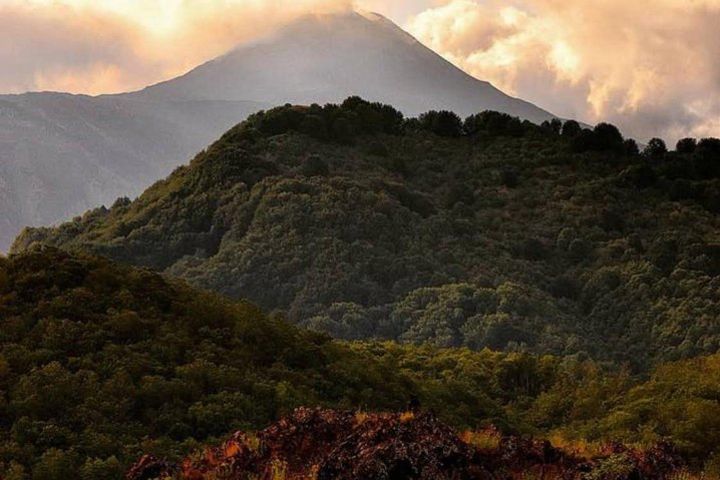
x,y
314,166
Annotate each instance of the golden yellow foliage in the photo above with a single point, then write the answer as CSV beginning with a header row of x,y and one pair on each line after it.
x,y
407,416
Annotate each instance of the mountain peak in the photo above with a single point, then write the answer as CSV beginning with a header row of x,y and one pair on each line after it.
x,y
324,58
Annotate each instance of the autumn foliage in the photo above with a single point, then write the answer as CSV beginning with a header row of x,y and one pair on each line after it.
x,y
326,444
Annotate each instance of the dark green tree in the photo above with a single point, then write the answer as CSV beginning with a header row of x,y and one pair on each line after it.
x,y
655,149
686,146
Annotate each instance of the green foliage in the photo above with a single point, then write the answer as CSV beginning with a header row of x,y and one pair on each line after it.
x,y
677,403
603,138
97,469
571,129
495,124
686,145
100,363
655,149
339,216
442,123
341,123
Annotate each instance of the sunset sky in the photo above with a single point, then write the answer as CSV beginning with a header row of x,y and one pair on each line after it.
x,y
651,66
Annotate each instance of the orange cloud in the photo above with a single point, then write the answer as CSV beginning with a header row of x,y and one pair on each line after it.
x,y
651,66
104,46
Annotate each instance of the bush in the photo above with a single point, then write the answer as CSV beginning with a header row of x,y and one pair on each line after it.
x,y
314,166
640,176
509,177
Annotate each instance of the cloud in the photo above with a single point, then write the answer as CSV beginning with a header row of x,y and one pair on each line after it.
x,y
650,66
103,46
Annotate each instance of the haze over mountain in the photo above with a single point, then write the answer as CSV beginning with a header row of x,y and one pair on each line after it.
x,y
62,154
327,58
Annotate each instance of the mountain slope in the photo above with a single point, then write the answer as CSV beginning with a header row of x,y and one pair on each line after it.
x,y
101,362
507,237
326,58
61,154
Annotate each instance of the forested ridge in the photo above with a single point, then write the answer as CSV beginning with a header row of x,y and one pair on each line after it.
x,y
102,363
488,232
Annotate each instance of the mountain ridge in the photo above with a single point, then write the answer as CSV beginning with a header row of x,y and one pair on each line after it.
x,y
493,233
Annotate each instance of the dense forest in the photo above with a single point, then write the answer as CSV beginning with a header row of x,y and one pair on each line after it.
x,y
101,363
489,232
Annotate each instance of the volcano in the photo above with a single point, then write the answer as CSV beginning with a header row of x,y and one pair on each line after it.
x,y
61,154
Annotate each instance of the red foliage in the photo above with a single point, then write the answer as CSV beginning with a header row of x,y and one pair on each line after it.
x,y
339,445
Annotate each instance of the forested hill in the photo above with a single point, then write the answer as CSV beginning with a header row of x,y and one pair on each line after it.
x,y
101,363
489,232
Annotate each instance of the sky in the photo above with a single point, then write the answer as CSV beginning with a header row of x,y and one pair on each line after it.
x,y
650,66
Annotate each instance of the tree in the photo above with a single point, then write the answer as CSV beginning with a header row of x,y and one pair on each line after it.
x,y
707,158
709,147
608,138
655,149
443,123
631,148
553,126
56,465
584,141
686,146
571,129
494,123
605,137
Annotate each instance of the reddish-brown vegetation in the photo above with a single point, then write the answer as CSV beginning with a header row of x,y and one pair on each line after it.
x,y
340,445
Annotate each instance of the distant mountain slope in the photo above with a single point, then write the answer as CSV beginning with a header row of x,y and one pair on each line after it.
x,y
360,225
61,154
326,58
